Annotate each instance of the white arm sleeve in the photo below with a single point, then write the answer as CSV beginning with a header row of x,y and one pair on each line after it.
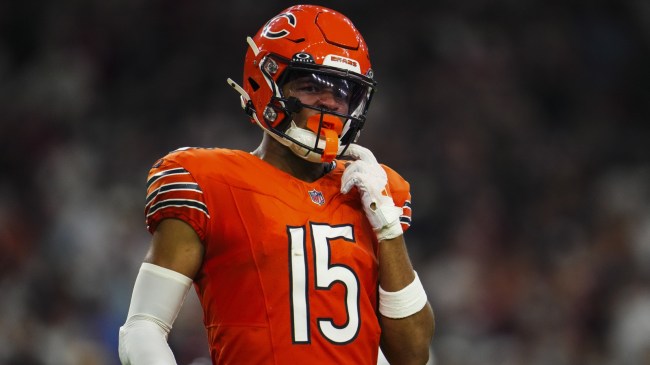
x,y
158,295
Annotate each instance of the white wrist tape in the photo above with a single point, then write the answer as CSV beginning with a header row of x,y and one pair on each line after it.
x,y
388,216
404,302
158,295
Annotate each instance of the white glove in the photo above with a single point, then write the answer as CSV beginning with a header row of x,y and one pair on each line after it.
x,y
370,179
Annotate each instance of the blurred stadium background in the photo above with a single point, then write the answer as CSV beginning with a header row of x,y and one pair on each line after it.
x,y
523,127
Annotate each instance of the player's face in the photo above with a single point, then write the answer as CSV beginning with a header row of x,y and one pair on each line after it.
x,y
320,91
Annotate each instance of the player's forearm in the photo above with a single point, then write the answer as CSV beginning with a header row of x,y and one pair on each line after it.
x,y
157,297
142,341
405,340
395,269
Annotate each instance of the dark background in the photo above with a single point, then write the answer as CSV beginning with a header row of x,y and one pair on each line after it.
x,y
521,125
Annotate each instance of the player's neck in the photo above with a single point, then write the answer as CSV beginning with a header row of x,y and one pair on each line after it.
x,y
282,158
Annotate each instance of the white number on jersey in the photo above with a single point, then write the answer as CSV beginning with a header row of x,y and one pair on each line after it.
x,y
326,274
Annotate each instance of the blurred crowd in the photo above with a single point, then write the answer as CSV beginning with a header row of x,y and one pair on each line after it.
x,y
522,126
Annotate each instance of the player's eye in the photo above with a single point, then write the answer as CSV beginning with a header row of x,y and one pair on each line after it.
x,y
309,87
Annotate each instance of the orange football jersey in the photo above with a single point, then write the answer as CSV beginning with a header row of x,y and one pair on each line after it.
x,y
290,269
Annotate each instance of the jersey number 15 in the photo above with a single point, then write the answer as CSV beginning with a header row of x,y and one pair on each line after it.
x,y
326,274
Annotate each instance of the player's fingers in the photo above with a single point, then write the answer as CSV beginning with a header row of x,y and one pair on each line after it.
x,y
358,152
347,186
348,179
352,176
354,166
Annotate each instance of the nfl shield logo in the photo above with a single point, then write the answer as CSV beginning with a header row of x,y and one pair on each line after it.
x,y
317,197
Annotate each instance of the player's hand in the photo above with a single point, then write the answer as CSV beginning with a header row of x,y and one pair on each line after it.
x,y
369,177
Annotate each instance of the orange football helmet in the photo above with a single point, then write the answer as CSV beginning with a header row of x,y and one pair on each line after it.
x,y
326,46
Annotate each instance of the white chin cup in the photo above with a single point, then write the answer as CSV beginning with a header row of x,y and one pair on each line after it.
x,y
306,137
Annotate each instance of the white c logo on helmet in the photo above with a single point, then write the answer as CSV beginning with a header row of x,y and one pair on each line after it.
x,y
276,28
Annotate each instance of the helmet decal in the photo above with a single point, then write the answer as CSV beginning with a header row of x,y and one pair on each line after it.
x,y
342,62
303,57
276,28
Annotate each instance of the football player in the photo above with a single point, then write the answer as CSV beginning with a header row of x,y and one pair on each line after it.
x,y
296,250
